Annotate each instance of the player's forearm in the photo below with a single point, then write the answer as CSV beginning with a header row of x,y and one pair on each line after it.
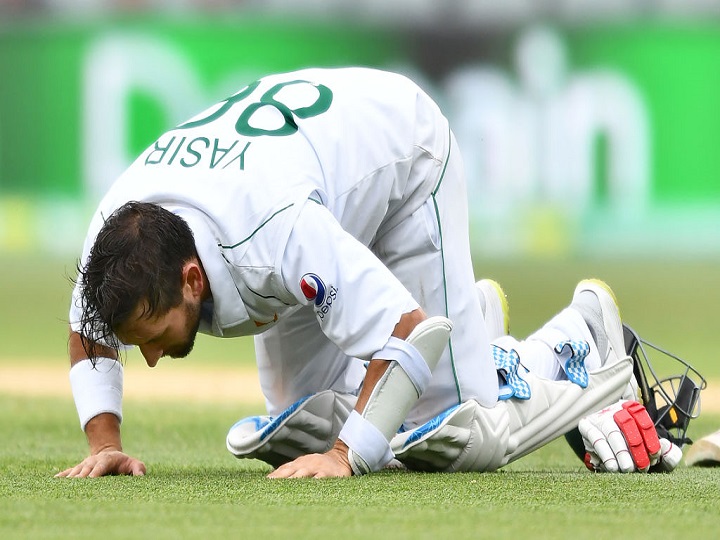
x,y
408,322
376,368
103,433
78,349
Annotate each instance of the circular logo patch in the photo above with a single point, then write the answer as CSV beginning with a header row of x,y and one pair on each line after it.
x,y
313,288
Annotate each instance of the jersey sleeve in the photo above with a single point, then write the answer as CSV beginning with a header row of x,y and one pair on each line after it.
x,y
357,301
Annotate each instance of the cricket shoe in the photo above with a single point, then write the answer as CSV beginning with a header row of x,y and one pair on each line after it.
x,y
495,308
598,306
596,303
705,452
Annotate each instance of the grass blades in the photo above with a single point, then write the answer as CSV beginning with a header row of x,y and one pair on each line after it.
x,y
195,489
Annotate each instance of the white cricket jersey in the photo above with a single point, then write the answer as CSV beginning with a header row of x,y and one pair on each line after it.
x,y
336,157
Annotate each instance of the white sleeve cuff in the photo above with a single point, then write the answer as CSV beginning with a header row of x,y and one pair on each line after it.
x,y
97,389
367,441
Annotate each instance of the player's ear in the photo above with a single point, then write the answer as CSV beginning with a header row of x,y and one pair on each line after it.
x,y
194,279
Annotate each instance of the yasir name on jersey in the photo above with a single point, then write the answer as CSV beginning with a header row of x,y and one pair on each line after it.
x,y
199,151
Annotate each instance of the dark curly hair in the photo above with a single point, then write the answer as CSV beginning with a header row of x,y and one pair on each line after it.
x,y
138,255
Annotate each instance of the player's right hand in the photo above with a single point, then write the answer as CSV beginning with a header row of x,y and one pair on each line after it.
x,y
107,462
622,438
332,464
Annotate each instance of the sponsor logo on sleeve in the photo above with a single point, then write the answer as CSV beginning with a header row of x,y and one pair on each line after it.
x,y
315,290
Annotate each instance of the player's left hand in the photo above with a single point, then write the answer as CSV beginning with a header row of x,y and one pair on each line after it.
x,y
622,438
333,463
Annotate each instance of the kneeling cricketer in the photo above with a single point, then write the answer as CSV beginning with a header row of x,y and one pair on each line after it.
x,y
324,212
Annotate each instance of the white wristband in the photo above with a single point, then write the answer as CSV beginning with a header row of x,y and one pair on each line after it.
x,y
97,389
410,360
367,441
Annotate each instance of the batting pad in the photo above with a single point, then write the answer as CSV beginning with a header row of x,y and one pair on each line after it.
x,y
466,437
470,437
558,406
310,425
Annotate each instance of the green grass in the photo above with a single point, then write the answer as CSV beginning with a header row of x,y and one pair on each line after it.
x,y
195,489
671,303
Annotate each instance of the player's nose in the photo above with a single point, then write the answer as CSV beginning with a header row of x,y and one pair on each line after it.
x,y
152,354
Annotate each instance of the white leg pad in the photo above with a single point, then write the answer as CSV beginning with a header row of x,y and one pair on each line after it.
x,y
556,407
310,425
474,438
395,393
467,437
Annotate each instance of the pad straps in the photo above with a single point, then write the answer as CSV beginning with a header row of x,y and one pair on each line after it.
x,y
410,359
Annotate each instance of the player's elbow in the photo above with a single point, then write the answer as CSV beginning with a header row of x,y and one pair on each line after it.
x,y
408,322
80,348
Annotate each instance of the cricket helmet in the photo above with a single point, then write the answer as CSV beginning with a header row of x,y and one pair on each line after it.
x,y
671,400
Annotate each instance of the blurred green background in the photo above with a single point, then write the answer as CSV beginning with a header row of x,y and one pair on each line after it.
x,y
590,139
590,134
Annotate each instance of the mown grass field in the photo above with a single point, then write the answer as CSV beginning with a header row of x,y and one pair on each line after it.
x,y
671,302
195,489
